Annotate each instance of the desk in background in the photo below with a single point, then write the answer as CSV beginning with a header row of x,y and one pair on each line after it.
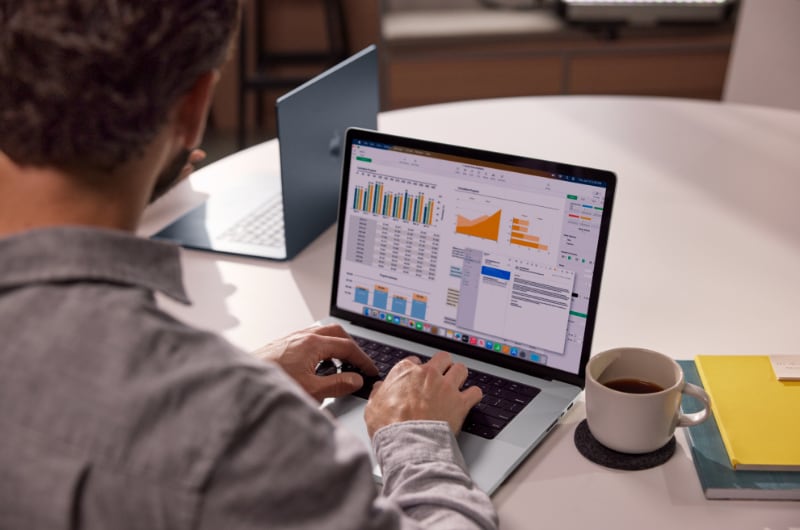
x,y
703,257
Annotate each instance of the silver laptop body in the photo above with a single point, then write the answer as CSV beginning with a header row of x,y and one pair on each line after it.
x,y
493,257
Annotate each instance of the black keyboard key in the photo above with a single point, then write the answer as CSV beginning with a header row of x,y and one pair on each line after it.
x,y
384,358
483,386
503,404
496,412
491,400
480,430
513,397
477,416
528,390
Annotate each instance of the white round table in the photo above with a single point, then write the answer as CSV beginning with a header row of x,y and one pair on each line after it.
x,y
703,258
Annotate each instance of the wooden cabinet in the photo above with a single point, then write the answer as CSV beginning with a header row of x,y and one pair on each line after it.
x,y
422,66
434,56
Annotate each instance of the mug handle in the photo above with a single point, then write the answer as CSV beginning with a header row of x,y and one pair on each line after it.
x,y
687,420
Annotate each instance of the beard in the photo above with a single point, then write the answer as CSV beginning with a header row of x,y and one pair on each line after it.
x,y
170,175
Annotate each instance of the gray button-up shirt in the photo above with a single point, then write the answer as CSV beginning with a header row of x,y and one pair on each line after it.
x,y
114,415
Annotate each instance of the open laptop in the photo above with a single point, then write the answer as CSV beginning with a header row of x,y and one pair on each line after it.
x,y
495,258
262,216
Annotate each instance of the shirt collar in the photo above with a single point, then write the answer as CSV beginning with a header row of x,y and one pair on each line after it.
x,y
80,253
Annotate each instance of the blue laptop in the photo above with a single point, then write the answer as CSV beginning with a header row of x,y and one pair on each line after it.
x,y
277,218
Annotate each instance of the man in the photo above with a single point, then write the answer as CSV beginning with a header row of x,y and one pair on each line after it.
x,y
114,415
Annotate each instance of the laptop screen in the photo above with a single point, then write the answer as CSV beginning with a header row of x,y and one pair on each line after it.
x,y
494,256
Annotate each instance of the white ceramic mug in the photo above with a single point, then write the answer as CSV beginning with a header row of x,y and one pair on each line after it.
x,y
636,418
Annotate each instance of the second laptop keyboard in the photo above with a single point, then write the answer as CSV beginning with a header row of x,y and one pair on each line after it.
x,y
262,226
502,398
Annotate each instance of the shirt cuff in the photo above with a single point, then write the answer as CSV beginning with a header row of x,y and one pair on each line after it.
x,y
416,442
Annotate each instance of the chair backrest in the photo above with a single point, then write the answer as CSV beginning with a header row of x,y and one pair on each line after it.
x,y
764,66
262,69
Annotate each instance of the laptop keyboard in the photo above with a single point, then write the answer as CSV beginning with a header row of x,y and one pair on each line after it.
x,y
263,226
502,398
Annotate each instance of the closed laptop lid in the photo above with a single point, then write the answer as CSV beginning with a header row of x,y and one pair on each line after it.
x,y
312,120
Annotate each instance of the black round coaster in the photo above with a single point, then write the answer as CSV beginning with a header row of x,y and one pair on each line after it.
x,y
598,453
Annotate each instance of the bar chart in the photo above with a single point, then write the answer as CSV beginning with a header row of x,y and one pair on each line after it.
x,y
520,234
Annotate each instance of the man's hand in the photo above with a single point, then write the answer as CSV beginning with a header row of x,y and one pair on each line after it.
x,y
414,391
300,353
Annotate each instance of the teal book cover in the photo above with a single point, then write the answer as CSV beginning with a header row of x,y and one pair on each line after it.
x,y
718,479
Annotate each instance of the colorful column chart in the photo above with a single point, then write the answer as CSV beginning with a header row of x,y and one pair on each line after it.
x,y
397,205
395,303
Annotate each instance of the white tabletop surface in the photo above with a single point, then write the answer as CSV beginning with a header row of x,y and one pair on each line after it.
x,y
704,257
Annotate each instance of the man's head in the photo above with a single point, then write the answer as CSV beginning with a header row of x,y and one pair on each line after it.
x,y
88,84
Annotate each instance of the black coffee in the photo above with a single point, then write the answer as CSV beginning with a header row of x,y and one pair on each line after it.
x,y
633,386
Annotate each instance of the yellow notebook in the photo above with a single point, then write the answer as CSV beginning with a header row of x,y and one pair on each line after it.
x,y
758,415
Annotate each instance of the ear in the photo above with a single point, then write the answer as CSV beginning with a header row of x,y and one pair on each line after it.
x,y
193,108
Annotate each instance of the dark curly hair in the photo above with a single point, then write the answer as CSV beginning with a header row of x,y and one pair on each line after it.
x,y
88,83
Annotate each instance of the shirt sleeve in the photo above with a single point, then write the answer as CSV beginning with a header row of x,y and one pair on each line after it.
x,y
288,465
424,474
